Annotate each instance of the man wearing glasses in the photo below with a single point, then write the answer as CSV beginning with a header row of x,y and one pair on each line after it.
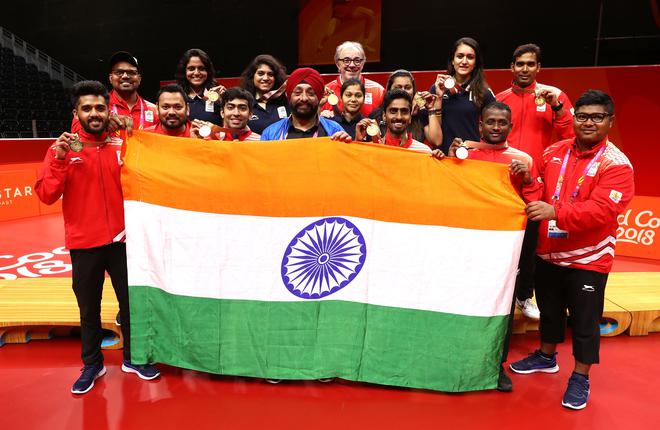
x,y
588,182
350,59
125,80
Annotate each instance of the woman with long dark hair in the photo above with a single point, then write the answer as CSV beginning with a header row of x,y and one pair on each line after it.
x,y
196,75
464,92
265,79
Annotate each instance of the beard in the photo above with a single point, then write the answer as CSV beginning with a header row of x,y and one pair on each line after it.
x,y
304,113
173,126
93,130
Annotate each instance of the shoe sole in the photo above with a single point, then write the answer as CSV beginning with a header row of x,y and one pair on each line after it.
x,y
575,408
98,375
545,370
127,369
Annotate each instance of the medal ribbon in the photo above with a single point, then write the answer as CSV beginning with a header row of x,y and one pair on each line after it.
x,y
283,135
273,94
562,172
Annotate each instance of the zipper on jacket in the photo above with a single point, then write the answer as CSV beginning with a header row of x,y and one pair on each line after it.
x,y
105,203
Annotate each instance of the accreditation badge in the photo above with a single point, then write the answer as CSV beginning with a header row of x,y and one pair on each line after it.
x,y
149,116
368,99
209,106
555,232
281,112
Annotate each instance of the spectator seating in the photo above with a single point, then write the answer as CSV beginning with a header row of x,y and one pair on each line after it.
x,y
28,95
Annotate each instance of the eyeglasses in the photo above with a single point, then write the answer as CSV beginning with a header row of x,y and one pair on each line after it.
x,y
596,118
347,61
129,73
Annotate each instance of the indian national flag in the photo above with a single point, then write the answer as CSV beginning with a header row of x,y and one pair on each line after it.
x,y
309,258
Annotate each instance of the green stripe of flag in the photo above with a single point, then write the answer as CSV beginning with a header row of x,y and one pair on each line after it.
x,y
317,339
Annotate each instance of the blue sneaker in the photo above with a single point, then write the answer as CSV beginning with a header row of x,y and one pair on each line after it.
x,y
85,381
535,362
577,392
144,371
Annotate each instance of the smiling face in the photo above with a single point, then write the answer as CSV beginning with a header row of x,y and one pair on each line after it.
x,y
93,114
495,125
196,73
125,77
525,69
172,110
590,132
264,78
397,116
304,102
464,61
350,63
352,99
236,113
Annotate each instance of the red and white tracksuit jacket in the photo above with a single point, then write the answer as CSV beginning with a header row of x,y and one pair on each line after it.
x,y
591,218
90,187
533,126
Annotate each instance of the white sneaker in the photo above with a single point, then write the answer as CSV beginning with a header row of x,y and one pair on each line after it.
x,y
529,308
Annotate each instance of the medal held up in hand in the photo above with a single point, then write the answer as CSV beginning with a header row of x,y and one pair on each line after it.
x,y
76,145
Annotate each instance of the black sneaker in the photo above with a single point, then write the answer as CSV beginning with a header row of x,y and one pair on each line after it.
x,y
504,383
536,362
577,392
118,320
85,381
144,371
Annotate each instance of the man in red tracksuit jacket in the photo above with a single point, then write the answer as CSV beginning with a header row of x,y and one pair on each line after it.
x,y
125,76
84,170
588,182
537,111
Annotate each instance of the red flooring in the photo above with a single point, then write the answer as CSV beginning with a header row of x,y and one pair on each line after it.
x,y
35,379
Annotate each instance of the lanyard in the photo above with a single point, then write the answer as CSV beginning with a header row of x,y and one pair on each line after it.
x,y
284,135
562,172
114,110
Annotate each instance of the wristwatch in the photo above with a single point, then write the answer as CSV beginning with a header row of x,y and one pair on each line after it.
x,y
557,108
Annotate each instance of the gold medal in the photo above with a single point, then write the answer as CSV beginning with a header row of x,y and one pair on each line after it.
x,y
333,99
373,130
419,100
205,131
213,96
450,83
76,145
462,153
539,100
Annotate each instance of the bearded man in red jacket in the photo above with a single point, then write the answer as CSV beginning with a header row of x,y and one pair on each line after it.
x,y
84,170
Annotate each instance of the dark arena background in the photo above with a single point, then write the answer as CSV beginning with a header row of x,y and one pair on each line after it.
x,y
47,46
